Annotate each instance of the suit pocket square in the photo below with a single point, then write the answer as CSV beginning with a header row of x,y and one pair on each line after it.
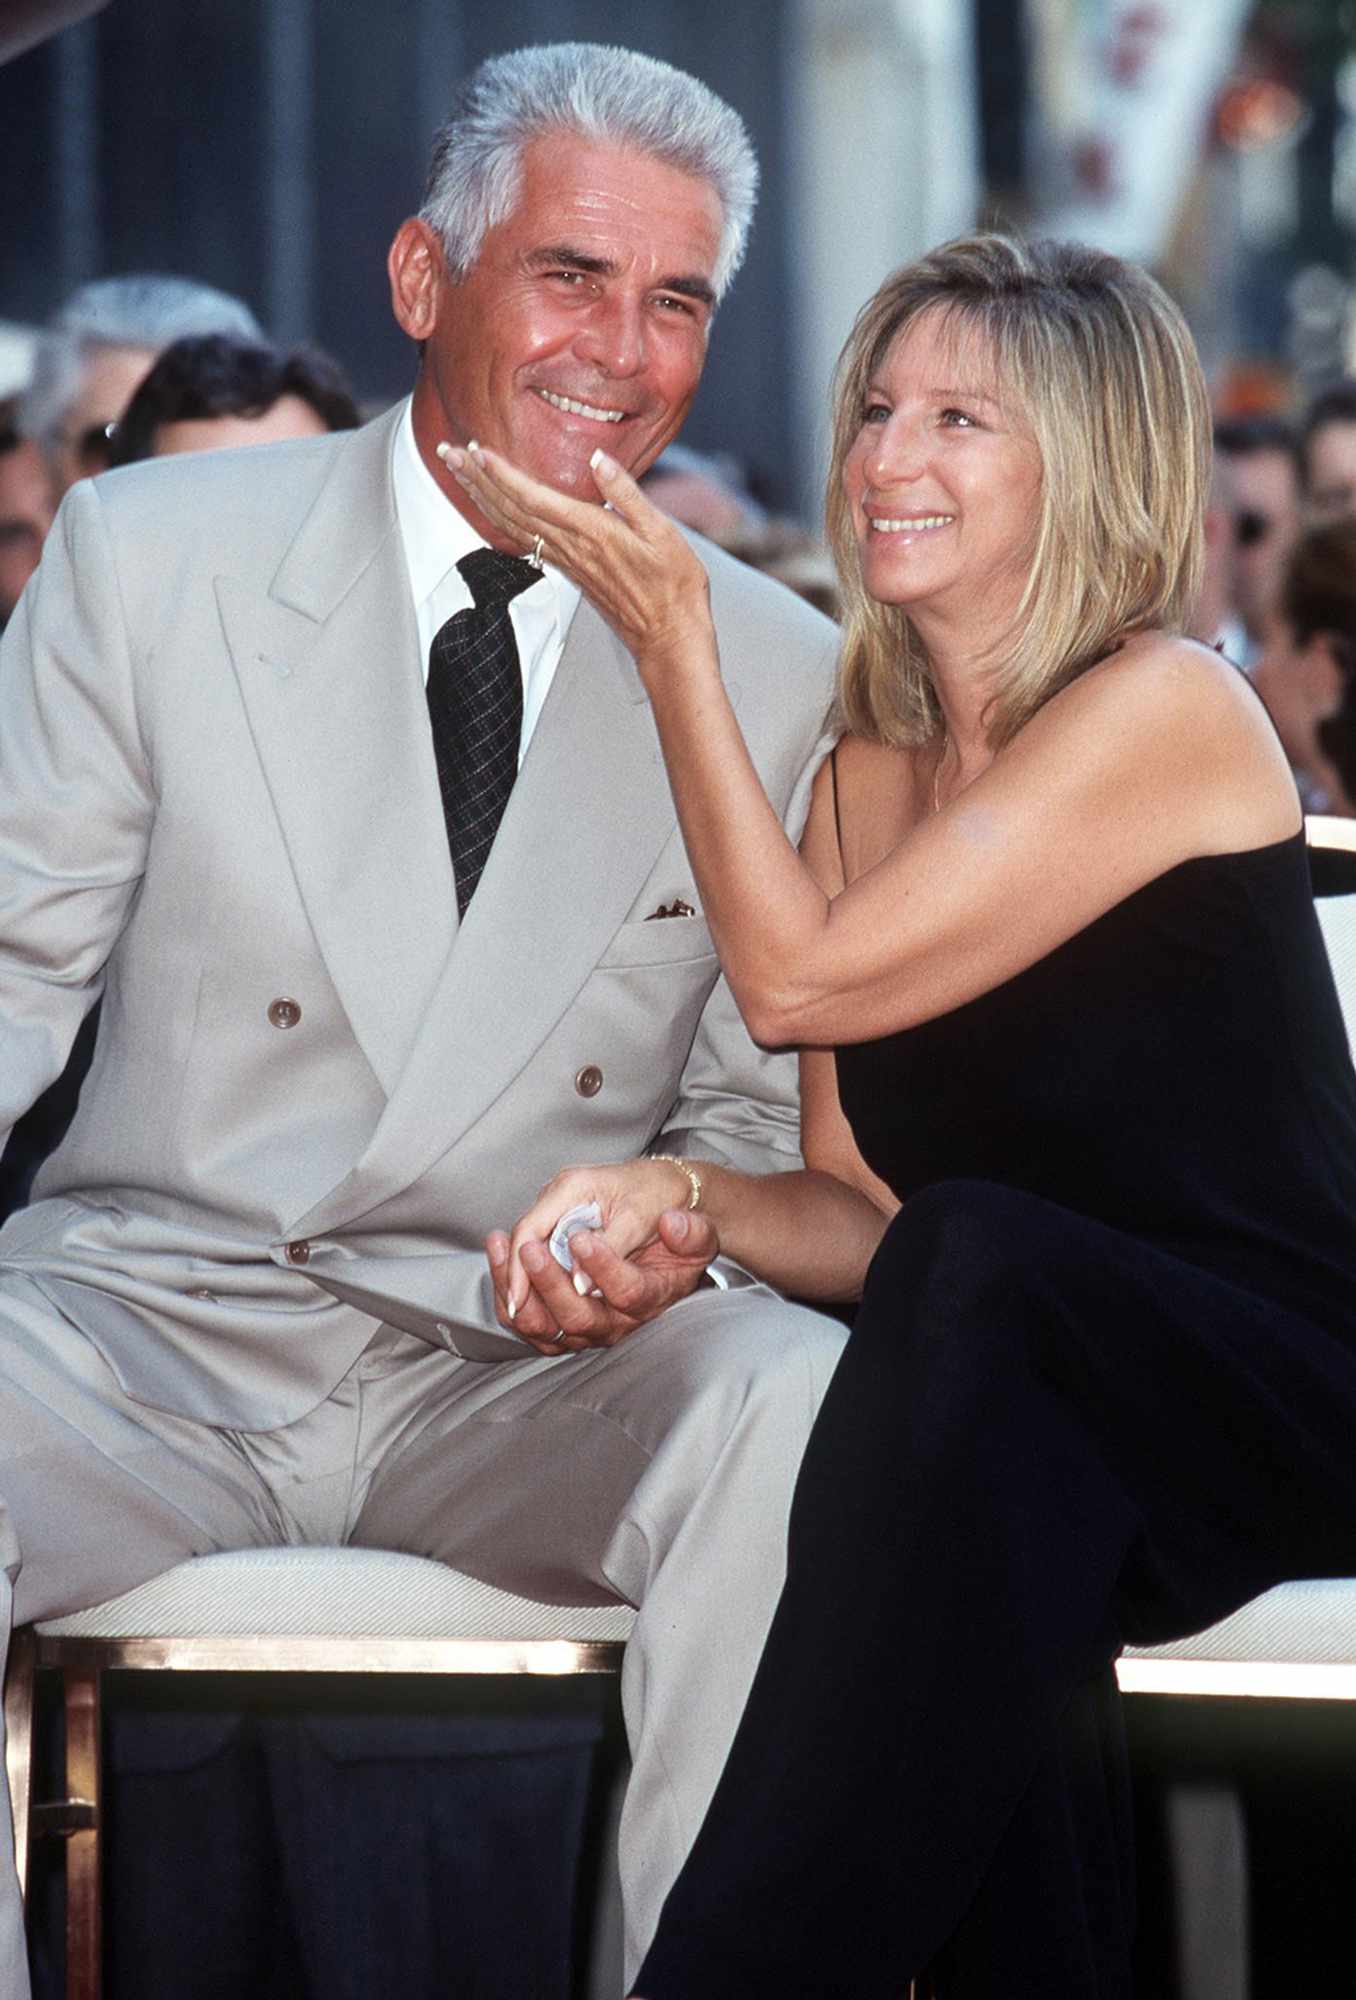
x,y
677,908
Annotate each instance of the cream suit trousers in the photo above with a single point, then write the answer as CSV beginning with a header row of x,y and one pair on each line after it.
x,y
658,1472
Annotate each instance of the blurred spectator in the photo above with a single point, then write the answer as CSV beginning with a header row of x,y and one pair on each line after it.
x,y
26,510
802,564
213,390
1307,675
95,350
1328,453
706,492
1262,465
1216,621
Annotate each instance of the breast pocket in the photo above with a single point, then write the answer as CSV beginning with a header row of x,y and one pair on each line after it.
x,y
658,941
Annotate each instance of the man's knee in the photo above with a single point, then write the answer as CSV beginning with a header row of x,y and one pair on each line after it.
x,y
741,1358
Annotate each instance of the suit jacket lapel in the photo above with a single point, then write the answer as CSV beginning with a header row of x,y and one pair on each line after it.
x,y
328,666
585,822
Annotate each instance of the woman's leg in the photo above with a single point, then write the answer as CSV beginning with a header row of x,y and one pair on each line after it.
x,y
1041,1440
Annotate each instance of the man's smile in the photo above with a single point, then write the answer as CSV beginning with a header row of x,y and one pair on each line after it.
x,y
574,408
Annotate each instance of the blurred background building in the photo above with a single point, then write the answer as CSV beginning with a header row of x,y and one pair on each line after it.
x,y
268,147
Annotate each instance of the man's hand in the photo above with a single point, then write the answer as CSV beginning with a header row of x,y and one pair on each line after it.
x,y
631,1289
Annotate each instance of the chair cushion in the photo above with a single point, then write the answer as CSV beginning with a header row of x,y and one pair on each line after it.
x,y
1313,1623
332,1593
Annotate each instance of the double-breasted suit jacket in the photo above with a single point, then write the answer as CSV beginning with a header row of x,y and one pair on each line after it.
x,y
313,1093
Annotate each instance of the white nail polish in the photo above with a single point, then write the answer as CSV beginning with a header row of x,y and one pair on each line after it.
x,y
596,458
444,452
582,1282
513,1308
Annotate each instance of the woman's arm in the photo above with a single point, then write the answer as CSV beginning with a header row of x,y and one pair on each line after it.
x,y
1158,754
811,1232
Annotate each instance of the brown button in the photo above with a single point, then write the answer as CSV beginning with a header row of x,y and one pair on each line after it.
x,y
589,1080
284,1013
299,1252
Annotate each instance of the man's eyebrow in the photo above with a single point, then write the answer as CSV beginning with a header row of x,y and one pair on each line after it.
x,y
565,253
553,254
690,288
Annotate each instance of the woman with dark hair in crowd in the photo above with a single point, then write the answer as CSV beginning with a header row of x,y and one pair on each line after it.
x,y
213,390
1307,672
1052,915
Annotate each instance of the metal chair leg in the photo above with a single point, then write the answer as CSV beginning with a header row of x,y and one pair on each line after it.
x,y
84,1939
19,1742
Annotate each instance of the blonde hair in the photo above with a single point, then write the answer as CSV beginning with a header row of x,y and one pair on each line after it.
x,y
1102,369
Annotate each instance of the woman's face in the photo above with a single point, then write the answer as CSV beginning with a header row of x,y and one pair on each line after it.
x,y
943,478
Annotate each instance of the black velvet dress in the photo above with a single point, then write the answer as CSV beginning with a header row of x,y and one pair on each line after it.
x,y
1101,1389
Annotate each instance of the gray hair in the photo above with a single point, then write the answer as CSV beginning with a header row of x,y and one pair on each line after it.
x,y
143,310
609,95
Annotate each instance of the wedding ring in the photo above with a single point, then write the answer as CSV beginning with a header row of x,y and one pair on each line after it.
x,y
536,562
559,1334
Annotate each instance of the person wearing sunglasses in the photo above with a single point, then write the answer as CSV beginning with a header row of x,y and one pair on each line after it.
x,y
1262,467
95,351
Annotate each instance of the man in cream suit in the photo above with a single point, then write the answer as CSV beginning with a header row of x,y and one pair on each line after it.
x,y
250,1301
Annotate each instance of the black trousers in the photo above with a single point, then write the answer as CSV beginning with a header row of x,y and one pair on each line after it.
x,y
1045,1439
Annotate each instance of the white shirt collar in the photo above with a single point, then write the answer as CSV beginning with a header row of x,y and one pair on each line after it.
x,y
436,533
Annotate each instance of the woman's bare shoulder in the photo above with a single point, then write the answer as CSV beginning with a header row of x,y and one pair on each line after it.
x,y
1193,715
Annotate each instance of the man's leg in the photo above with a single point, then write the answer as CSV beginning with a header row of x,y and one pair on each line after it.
x,y
659,1472
97,1493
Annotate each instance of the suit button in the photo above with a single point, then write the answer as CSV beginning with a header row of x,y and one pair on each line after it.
x,y
299,1252
284,1013
589,1080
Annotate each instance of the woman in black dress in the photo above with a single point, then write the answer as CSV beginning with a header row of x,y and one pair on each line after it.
x,y
1052,913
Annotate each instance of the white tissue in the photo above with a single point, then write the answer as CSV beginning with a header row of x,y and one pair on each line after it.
x,y
587,1215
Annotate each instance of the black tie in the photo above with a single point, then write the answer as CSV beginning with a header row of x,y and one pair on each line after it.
x,y
475,704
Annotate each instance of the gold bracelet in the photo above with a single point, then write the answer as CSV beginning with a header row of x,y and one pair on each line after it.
x,y
694,1179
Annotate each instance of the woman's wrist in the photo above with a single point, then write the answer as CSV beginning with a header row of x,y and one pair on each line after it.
x,y
686,645
691,1176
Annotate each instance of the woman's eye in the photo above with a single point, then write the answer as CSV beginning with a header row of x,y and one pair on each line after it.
x,y
876,413
958,419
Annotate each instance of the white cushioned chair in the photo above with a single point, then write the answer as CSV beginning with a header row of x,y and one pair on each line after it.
x,y
272,1610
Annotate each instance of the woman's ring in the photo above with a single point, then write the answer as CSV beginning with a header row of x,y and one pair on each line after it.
x,y
536,562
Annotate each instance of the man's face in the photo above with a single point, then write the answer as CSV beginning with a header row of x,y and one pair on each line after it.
x,y
26,509
583,321
1331,462
110,378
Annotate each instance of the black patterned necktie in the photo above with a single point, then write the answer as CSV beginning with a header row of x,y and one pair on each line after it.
x,y
475,705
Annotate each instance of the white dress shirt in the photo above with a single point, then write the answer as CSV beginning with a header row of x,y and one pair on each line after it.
x,y
436,535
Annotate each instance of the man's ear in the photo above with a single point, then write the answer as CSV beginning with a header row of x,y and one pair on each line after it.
x,y
416,269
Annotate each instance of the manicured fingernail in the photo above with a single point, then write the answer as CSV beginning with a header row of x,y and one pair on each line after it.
x,y
512,1306
600,462
474,449
581,1282
445,452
